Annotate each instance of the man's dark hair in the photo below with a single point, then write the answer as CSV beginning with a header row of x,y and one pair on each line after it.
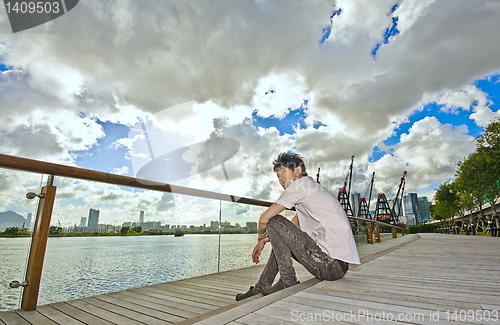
x,y
290,160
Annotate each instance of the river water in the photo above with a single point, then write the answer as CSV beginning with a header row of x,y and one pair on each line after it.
x,y
78,267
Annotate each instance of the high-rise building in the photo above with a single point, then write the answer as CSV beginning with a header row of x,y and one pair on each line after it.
x,y
83,222
411,209
93,220
251,226
28,221
423,208
141,217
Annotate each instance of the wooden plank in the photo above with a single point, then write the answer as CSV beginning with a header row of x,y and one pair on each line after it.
x,y
483,284
185,295
173,298
227,284
126,312
196,291
358,314
156,306
11,318
491,307
79,314
57,316
259,319
172,318
176,304
427,292
102,313
222,289
403,300
416,285
34,317
299,314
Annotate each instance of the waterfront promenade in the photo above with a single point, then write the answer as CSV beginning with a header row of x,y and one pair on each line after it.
x,y
425,279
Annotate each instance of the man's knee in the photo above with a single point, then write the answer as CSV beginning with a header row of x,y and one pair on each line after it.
x,y
276,220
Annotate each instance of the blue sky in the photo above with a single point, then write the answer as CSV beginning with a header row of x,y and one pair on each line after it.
x,y
104,156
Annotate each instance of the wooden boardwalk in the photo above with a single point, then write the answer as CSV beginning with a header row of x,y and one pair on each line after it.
x,y
397,276
437,279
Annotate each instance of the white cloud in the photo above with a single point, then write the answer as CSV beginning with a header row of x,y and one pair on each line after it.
x,y
124,61
431,150
467,99
121,170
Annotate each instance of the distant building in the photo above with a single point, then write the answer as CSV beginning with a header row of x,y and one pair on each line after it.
x,y
93,220
107,228
83,222
214,224
141,217
150,225
28,221
423,208
410,203
251,226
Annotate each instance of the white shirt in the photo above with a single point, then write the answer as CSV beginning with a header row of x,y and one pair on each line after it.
x,y
321,216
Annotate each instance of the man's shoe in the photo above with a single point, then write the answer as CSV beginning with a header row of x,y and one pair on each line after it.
x,y
250,293
272,289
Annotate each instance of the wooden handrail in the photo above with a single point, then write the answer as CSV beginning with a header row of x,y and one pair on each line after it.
x,y
37,166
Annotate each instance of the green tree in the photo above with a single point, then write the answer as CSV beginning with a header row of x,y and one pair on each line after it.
x,y
480,171
491,136
53,230
471,189
446,204
489,146
14,231
137,229
124,230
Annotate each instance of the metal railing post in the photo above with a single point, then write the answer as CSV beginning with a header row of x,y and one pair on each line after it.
x,y
394,233
38,245
377,233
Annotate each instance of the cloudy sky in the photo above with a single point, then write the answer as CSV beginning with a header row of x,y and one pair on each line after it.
x,y
113,85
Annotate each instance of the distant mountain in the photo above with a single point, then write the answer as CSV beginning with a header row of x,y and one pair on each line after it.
x,y
11,219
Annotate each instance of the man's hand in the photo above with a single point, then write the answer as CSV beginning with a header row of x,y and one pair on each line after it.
x,y
257,250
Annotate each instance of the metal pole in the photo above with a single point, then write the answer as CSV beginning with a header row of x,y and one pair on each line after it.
x,y
220,219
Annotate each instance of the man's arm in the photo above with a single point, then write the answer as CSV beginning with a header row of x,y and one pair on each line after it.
x,y
268,214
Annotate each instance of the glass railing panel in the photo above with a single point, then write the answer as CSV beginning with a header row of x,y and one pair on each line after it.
x,y
83,262
359,230
16,223
239,235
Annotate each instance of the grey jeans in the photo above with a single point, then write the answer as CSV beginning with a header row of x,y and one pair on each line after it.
x,y
289,241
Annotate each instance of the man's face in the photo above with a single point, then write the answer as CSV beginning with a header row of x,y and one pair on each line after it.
x,y
285,175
